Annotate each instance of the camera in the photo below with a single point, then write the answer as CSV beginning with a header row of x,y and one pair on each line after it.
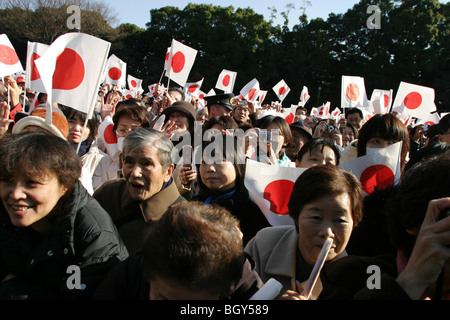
x,y
330,128
444,214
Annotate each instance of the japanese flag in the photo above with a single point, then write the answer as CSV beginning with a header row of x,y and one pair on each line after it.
x,y
108,137
181,60
166,60
33,81
431,120
115,72
414,100
270,187
134,84
71,70
378,169
281,89
335,114
193,88
304,96
128,94
226,80
152,89
250,91
324,110
381,101
314,112
353,93
289,114
9,61
262,96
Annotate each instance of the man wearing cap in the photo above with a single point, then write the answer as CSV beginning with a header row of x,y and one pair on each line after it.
x,y
219,105
301,134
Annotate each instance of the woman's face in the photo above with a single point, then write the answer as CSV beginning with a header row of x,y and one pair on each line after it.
x,y
328,217
347,136
317,157
126,125
218,175
28,199
76,129
180,120
377,142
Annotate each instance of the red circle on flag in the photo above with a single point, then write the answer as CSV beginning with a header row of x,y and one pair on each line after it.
x,y
413,100
201,96
133,83
226,80
167,56
193,88
8,55
34,70
115,73
377,176
178,61
278,193
352,92
251,93
282,91
110,137
290,118
69,70
386,100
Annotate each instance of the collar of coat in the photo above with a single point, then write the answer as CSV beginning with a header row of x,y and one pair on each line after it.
x,y
155,206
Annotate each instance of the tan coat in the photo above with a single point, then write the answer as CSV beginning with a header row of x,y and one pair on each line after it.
x,y
131,217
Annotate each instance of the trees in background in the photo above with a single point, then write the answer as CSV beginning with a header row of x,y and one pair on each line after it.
x,y
412,44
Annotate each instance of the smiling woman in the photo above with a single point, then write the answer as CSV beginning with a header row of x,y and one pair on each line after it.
x,y
49,222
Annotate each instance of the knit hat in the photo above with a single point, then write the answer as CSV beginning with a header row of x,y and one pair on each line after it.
x,y
59,126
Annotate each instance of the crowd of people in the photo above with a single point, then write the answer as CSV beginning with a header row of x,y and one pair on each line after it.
x,y
110,208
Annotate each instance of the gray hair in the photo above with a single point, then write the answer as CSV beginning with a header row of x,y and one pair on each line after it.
x,y
149,137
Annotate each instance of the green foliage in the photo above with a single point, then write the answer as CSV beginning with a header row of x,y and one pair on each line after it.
x,y
412,45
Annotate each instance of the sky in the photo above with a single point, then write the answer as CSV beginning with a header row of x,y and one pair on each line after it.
x,y
138,11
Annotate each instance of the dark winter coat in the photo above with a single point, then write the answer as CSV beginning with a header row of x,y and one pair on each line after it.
x,y
83,241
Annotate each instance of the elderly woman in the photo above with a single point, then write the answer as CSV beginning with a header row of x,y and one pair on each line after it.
x,y
56,241
325,203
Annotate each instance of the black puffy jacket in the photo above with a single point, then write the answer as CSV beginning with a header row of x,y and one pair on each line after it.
x,y
67,263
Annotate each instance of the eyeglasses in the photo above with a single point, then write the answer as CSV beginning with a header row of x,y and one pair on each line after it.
x,y
123,132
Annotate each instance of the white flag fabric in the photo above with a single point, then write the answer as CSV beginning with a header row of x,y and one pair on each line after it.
x,y
353,93
33,81
193,88
281,89
9,61
304,96
181,60
166,60
250,91
414,100
378,169
270,187
226,81
381,101
134,84
115,72
71,70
